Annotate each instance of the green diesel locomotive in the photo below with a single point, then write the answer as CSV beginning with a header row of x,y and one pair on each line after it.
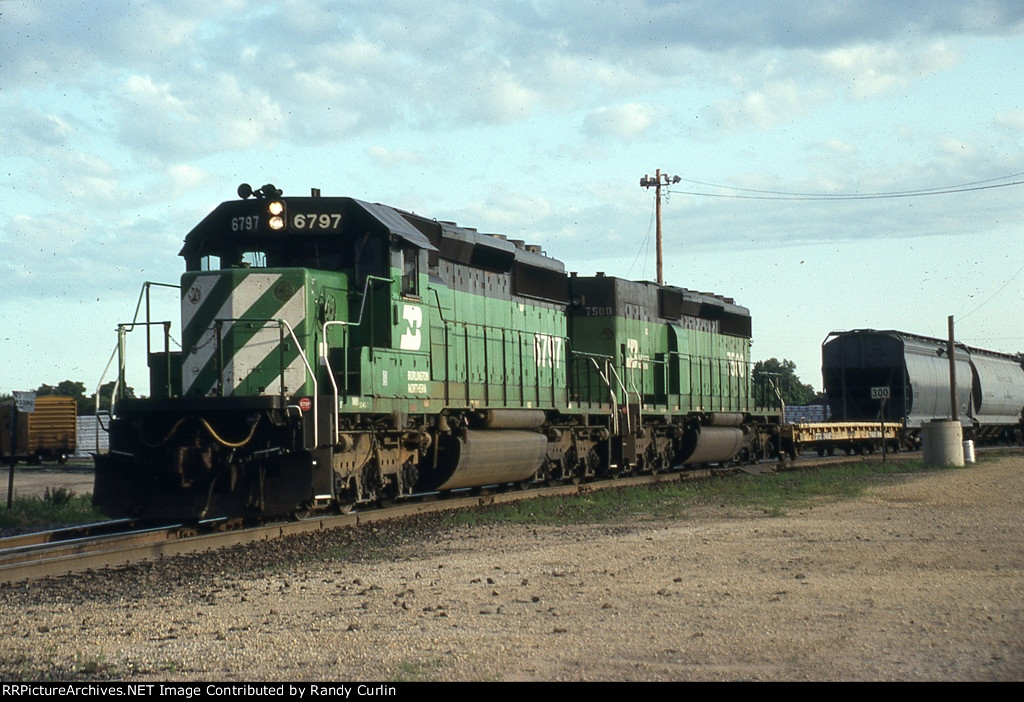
x,y
336,352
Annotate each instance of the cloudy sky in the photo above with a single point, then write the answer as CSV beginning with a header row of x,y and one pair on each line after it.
x,y
123,123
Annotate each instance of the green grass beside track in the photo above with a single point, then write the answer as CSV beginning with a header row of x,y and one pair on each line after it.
x,y
770,494
59,506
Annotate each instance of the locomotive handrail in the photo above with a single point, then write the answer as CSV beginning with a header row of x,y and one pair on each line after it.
x,y
282,323
625,396
113,391
519,333
118,351
366,290
144,293
700,366
625,393
444,323
592,357
99,425
611,392
325,359
639,403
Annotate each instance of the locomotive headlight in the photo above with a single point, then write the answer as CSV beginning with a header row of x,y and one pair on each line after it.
x,y
277,216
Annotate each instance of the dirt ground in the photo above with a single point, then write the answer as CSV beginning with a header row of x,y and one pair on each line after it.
x,y
922,579
33,481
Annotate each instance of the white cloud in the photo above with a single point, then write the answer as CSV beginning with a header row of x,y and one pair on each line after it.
x,y
1012,120
183,178
874,69
956,148
75,250
26,128
840,147
775,104
623,122
390,158
181,120
499,97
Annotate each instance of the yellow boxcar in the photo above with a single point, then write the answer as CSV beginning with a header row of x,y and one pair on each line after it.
x,y
47,434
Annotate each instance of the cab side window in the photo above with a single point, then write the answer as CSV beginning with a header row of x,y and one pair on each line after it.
x,y
410,272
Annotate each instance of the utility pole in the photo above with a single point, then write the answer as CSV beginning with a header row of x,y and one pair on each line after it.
x,y
656,182
953,400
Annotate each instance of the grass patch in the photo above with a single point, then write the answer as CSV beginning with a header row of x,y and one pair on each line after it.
x,y
59,506
411,671
92,665
770,494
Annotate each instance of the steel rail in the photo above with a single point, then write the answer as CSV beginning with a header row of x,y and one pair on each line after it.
x,y
34,538
49,559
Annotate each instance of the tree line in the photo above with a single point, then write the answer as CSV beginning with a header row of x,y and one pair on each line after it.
x,y
774,378
85,403
771,379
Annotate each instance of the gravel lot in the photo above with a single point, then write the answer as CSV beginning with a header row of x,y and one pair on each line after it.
x,y
34,481
922,579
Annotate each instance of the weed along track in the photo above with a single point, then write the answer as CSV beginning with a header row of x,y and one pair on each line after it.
x,y
119,542
43,554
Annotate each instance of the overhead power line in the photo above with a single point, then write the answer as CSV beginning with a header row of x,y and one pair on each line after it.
x,y
987,184
990,297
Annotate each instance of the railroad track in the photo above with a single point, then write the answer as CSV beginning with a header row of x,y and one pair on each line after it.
x,y
48,554
110,544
